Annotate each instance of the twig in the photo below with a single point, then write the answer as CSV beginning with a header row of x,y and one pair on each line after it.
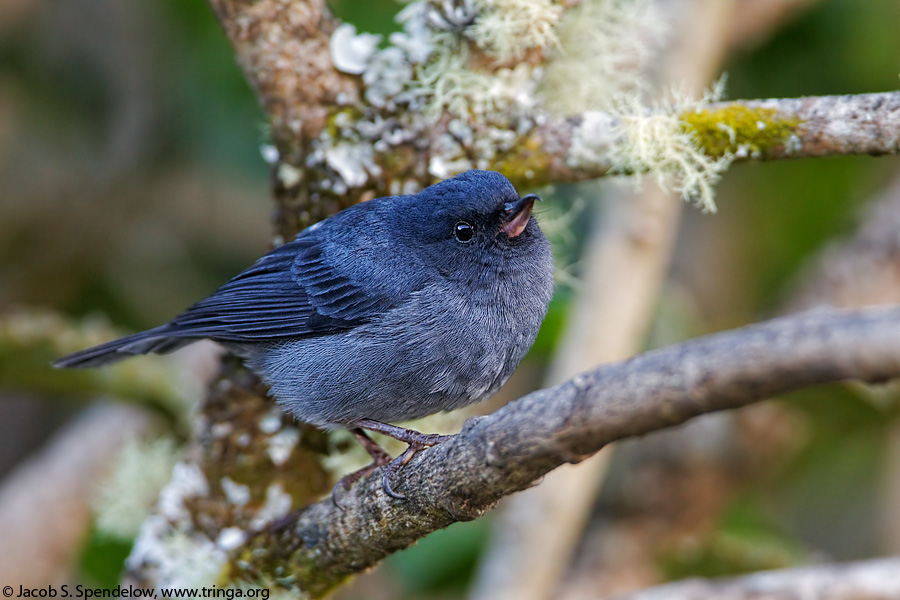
x,y
509,450
819,125
861,270
867,580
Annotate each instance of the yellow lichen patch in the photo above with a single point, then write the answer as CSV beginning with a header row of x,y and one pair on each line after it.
x,y
342,118
527,165
739,130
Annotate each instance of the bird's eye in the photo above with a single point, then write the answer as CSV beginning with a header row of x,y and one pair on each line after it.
x,y
464,232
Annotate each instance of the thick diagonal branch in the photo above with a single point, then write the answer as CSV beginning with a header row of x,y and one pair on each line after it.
x,y
509,450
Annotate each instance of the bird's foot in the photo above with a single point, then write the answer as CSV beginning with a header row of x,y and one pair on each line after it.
x,y
409,436
379,455
417,441
392,471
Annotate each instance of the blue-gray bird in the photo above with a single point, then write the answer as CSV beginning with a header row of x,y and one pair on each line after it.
x,y
391,310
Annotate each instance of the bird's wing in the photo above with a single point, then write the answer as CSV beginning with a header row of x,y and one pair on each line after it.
x,y
336,301
290,292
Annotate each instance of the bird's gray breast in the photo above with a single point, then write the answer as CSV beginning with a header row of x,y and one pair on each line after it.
x,y
441,349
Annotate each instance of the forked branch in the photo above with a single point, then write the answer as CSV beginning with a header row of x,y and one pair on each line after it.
x,y
512,448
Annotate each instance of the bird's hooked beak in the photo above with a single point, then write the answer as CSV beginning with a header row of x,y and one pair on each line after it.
x,y
518,213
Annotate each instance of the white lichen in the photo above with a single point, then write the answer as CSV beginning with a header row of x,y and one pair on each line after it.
x,y
277,505
231,538
289,175
128,494
654,142
282,444
269,153
643,141
450,85
271,421
441,166
452,57
353,162
237,494
350,52
607,48
388,78
602,74
428,65
506,29
188,481
172,558
595,140
221,430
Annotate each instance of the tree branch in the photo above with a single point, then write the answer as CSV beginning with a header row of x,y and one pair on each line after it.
x,y
343,138
866,580
860,270
804,127
375,128
773,129
509,450
282,47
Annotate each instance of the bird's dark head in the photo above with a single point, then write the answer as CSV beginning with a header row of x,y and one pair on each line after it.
x,y
476,218
475,206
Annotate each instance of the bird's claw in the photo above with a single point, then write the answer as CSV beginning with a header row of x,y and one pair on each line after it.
x,y
347,480
416,442
379,458
393,469
387,486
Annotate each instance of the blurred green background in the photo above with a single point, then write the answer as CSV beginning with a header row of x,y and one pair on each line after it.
x,y
131,184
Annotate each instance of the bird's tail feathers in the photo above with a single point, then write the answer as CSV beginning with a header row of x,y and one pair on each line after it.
x,y
156,341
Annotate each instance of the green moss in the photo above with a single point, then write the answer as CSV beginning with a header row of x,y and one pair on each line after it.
x,y
301,575
353,114
527,165
754,132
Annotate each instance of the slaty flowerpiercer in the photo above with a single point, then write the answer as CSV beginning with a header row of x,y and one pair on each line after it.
x,y
393,309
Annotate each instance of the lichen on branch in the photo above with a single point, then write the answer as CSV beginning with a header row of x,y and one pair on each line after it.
x,y
740,131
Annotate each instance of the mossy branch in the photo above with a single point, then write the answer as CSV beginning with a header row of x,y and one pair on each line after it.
x,y
800,127
31,339
381,126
